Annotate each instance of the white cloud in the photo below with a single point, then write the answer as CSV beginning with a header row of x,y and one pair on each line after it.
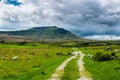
x,y
30,14
103,37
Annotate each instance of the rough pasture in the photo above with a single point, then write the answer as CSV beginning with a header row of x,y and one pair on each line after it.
x,y
40,62
103,70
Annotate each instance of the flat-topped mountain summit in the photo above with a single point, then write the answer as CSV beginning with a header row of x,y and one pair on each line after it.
x,y
49,32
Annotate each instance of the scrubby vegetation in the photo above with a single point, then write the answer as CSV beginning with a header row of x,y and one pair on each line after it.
x,y
99,56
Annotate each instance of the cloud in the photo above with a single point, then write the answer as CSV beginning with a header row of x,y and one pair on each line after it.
x,y
29,14
83,17
103,37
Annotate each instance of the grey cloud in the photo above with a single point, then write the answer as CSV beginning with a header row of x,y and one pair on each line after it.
x,y
84,11
89,17
110,20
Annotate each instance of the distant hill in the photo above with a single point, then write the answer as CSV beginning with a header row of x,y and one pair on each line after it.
x,y
50,32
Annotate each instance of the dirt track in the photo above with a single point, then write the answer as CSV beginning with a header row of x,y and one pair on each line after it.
x,y
60,70
82,71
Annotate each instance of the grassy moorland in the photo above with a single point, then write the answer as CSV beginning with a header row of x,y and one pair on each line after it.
x,y
39,61
102,70
35,61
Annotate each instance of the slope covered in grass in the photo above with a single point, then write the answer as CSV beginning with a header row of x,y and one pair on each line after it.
x,y
48,32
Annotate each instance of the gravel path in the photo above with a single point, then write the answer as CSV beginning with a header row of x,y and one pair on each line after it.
x,y
60,70
83,76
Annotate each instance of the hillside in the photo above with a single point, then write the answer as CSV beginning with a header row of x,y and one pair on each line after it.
x,y
10,38
43,33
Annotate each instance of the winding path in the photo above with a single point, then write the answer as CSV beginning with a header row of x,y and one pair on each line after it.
x,y
60,70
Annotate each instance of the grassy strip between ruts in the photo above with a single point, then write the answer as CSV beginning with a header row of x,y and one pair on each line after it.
x,y
71,71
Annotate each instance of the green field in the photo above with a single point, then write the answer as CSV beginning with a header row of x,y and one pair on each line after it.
x,y
102,70
38,61
34,61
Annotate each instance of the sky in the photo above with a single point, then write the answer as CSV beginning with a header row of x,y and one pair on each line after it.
x,y
93,19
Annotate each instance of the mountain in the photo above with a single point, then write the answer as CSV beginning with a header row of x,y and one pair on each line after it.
x,y
50,32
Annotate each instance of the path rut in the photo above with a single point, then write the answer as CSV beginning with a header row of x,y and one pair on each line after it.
x,y
83,72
